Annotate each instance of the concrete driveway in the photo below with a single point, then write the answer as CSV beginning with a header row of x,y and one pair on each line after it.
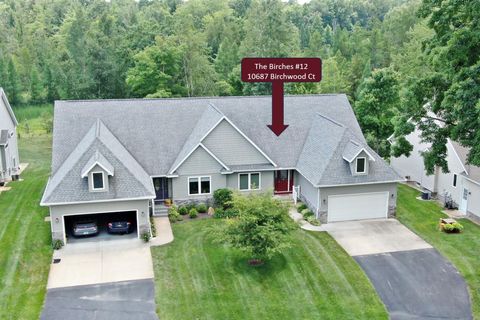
x,y
413,280
84,263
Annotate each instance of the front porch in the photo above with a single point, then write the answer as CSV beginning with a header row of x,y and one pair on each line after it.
x,y
163,192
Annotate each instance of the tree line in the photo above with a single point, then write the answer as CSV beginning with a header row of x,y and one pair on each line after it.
x,y
391,57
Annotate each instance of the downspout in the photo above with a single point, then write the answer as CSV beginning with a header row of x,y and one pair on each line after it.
x,y
318,202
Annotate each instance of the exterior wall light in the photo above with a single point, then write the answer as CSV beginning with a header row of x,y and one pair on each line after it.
x,y
57,220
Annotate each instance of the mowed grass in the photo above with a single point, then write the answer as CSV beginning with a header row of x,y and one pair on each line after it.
x,y
316,279
25,245
463,250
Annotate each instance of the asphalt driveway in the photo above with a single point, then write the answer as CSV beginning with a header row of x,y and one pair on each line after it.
x,y
109,301
413,280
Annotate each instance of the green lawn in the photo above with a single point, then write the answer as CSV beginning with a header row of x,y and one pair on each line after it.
x,y
25,250
463,250
316,279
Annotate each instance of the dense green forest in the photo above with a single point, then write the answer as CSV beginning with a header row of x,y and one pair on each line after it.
x,y
390,57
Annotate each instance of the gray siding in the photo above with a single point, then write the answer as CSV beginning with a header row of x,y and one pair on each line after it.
x,y
473,205
266,180
180,186
308,193
142,206
10,156
199,162
367,188
231,147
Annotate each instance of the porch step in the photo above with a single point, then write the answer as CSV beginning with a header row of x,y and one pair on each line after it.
x,y
160,211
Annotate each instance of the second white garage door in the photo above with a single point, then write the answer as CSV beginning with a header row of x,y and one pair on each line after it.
x,y
357,206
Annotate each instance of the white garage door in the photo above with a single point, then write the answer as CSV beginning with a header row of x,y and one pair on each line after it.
x,y
357,206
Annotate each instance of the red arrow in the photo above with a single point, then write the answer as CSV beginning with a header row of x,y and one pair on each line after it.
x,y
277,125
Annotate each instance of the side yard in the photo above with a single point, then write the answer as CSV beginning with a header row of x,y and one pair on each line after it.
x,y
316,279
461,249
25,250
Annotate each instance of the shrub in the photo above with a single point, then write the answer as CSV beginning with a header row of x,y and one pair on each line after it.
x,y
313,221
146,236
219,213
173,215
193,213
202,208
307,213
223,198
301,207
453,227
191,206
182,210
57,244
261,230
153,228
227,213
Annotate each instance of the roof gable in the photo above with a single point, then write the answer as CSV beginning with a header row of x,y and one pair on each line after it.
x,y
3,96
353,149
97,160
233,147
66,184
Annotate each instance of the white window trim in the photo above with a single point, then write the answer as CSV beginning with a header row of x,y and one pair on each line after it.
x,y
364,165
103,181
249,174
455,180
199,179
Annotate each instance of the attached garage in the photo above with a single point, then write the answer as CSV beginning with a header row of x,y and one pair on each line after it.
x,y
358,206
101,220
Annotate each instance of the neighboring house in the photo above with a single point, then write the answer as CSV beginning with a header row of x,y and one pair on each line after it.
x,y
461,184
9,160
131,155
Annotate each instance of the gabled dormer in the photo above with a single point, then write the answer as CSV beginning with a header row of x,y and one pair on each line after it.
x,y
97,171
358,158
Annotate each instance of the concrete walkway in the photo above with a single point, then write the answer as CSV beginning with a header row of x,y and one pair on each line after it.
x,y
164,231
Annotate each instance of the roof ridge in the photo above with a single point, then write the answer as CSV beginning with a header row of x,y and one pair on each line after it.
x,y
108,131
203,97
344,133
331,120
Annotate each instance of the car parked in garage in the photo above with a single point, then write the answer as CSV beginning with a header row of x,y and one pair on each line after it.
x,y
85,228
121,226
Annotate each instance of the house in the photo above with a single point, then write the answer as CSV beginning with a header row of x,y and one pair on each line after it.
x,y
131,155
9,160
461,184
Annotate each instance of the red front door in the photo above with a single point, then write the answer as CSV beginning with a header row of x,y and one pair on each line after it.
x,y
283,181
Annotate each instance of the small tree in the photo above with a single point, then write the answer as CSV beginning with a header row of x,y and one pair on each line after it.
x,y
262,228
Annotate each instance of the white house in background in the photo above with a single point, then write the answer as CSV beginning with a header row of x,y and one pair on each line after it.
x,y
462,183
9,160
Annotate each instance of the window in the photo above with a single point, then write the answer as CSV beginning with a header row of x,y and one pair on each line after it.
x,y
454,180
360,165
249,181
97,183
198,185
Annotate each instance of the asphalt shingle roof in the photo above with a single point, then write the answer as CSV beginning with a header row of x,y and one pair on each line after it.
x,y
98,159
158,133
67,185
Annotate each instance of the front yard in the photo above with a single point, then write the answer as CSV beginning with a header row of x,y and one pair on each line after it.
x,y
316,279
463,250
25,249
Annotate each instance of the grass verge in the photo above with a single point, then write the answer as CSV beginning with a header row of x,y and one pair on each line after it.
x,y
25,245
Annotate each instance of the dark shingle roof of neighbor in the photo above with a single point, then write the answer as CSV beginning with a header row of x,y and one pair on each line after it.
x,y
158,133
